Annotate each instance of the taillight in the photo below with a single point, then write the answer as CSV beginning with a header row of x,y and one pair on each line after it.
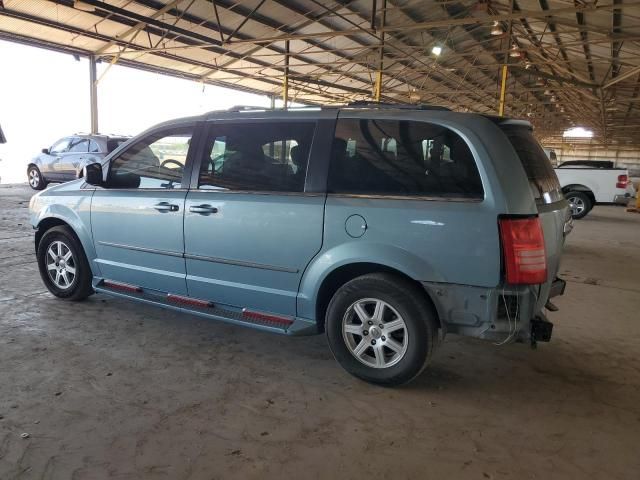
x,y
525,260
622,181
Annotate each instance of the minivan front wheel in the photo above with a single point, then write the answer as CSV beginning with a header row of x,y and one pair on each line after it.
x,y
63,266
36,181
381,329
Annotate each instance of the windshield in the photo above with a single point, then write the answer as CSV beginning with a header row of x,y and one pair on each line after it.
x,y
542,177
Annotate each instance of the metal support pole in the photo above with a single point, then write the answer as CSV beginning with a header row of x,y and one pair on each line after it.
x,y
374,7
285,83
378,88
503,91
93,95
503,84
272,145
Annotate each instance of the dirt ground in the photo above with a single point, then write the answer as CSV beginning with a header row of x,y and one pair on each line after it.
x,y
111,389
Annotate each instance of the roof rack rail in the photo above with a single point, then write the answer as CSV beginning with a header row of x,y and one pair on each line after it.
x,y
242,108
405,106
100,134
253,108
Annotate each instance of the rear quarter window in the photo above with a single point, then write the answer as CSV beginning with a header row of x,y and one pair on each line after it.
x,y
402,158
536,164
114,143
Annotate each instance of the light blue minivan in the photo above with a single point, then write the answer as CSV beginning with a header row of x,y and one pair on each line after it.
x,y
384,226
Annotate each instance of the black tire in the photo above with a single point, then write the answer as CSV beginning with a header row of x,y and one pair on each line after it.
x,y
408,302
582,201
79,287
35,178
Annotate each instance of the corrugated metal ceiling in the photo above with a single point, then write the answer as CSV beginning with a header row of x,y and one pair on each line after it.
x,y
569,62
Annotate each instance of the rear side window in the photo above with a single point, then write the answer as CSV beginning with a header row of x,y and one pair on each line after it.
x,y
114,143
267,156
79,145
401,157
542,177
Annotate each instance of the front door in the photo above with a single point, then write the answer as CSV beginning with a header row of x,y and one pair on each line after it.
x,y
251,227
137,219
50,162
71,159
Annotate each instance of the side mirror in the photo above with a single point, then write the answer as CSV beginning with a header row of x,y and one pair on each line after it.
x,y
45,151
92,174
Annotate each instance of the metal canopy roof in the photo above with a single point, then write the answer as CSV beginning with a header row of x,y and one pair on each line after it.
x,y
569,63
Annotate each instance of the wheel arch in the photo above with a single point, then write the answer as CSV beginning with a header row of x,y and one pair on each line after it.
x,y
47,224
63,216
36,163
347,272
577,187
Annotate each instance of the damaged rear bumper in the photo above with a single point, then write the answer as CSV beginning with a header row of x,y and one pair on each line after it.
x,y
502,315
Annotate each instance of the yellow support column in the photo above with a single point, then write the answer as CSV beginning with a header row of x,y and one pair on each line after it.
x,y
503,91
630,207
377,92
378,88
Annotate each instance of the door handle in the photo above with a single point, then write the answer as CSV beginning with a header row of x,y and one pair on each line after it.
x,y
166,207
203,209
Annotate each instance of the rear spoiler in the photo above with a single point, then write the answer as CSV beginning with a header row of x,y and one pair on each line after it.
x,y
511,122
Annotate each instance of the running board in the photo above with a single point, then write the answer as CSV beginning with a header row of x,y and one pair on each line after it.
x,y
247,317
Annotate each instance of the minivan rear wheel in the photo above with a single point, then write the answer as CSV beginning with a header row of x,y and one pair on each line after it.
x,y
36,180
381,329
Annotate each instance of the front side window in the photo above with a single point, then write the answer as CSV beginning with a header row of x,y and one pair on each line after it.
x,y
79,145
93,147
156,161
402,157
60,146
266,156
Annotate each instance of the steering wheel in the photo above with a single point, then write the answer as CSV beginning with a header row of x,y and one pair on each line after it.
x,y
170,161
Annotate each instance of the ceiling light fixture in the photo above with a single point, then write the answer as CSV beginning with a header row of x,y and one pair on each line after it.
x,y
514,52
577,132
496,29
436,50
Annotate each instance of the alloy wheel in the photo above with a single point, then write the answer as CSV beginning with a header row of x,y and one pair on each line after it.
x,y
577,205
34,178
61,265
375,333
